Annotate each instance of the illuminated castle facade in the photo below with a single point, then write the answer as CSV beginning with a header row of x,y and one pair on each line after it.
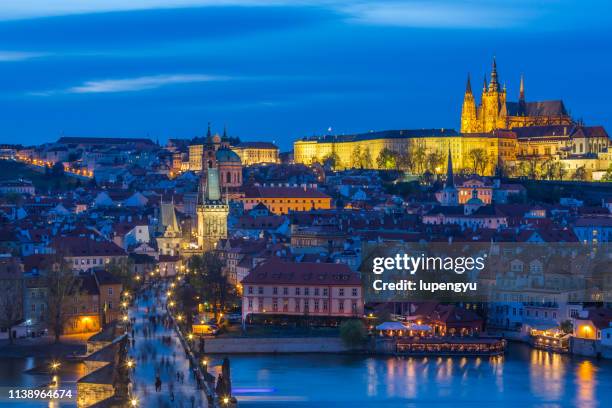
x,y
511,135
495,112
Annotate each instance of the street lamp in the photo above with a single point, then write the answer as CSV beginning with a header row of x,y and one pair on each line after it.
x,y
225,400
205,363
125,318
190,336
134,402
129,363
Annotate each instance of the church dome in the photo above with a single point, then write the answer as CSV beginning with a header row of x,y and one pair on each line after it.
x,y
227,155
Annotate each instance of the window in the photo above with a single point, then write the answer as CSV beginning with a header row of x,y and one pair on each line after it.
x,y
297,305
250,304
306,305
297,291
250,290
355,292
260,290
316,292
275,290
285,291
285,305
110,291
341,292
316,305
325,305
341,305
325,291
275,304
306,291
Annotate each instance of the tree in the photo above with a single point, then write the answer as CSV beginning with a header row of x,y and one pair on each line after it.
x,y
9,313
353,333
209,281
366,159
548,169
63,286
356,158
404,161
479,160
532,169
418,157
579,174
434,162
566,326
386,159
332,161
608,175
57,170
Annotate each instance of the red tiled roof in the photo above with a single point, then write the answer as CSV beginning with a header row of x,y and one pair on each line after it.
x,y
305,273
78,246
283,192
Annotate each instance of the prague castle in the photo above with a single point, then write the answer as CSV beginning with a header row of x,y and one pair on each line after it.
x,y
495,134
495,112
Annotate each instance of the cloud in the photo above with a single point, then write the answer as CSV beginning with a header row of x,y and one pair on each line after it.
x,y
140,83
9,56
25,9
441,14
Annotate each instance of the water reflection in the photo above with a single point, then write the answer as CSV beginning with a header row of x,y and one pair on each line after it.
x,y
585,382
522,376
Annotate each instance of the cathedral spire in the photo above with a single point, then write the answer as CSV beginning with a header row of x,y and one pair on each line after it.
x,y
494,84
450,183
468,85
208,132
522,89
484,85
224,131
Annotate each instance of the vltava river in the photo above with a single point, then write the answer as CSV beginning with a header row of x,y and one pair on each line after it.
x,y
523,378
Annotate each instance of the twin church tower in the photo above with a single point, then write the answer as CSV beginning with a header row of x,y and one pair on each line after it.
x,y
495,112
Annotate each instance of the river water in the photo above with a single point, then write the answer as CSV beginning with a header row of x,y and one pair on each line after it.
x,y
522,378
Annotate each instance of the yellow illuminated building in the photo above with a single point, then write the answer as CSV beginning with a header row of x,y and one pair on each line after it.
x,y
516,135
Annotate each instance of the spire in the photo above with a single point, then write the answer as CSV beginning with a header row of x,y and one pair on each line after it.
x,y
449,171
213,193
522,89
484,85
208,132
224,131
468,85
494,85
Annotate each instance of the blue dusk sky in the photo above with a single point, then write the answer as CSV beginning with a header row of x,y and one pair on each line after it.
x,y
283,69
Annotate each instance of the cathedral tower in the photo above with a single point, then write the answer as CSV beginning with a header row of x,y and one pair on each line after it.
x,y
493,110
469,120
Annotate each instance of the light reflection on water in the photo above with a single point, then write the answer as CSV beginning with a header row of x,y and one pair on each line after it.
x,y
13,375
522,376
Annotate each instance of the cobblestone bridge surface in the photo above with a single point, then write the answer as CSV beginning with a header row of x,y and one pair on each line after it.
x,y
158,353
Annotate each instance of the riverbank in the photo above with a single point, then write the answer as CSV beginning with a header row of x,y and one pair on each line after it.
x,y
42,347
245,345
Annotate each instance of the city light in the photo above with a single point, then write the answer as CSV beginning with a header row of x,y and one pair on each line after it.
x,y
125,318
190,336
204,362
130,363
134,402
55,365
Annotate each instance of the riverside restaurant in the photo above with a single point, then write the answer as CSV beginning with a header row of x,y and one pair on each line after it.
x,y
450,346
